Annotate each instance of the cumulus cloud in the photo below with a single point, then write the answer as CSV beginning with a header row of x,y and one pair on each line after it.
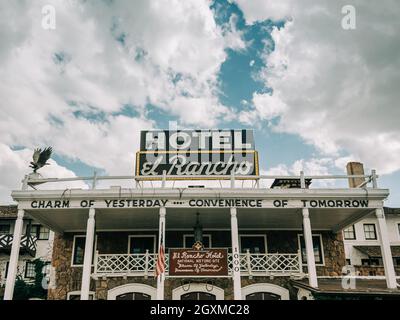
x,y
69,87
339,87
14,167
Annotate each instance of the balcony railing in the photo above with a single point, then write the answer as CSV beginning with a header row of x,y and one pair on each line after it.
x,y
269,264
28,243
234,181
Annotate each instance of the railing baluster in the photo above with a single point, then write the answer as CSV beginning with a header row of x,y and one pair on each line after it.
x,y
248,262
146,265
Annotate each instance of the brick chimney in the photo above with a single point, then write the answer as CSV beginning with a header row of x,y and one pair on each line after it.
x,y
355,168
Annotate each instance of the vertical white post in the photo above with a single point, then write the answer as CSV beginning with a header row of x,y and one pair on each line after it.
x,y
87,259
13,265
302,180
386,251
164,179
161,240
312,271
237,286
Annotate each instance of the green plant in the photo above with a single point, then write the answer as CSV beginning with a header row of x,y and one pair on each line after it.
x,y
25,291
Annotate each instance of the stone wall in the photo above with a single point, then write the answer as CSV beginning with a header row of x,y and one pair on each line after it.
x,y
373,270
67,278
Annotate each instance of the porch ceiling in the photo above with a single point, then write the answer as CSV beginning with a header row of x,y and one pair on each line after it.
x,y
65,220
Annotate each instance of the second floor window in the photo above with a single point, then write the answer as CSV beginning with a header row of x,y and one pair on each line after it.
x,y
79,250
4,229
349,233
317,246
370,231
40,232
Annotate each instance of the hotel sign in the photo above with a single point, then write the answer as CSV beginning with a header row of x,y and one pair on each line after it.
x,y
192,262
191,153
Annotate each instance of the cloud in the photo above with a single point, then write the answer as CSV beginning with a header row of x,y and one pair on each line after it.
x,y
310,167
14,166
69,87
339,88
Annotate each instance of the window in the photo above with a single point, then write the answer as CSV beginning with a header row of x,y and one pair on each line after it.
x,y
370,262
30,272
6,271
188,240
76,295
348,262
4,229
349,233
78,250
263,296
369,231
40,232
253,243
139,244
396,262
198,296
317,244
133,296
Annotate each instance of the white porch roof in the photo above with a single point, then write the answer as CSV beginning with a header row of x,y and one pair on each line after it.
x,y
180,215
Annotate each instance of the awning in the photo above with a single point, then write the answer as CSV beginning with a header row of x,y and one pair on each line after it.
x,y
375,251
332,286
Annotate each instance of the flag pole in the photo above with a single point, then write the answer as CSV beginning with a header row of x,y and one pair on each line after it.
x,y
160,264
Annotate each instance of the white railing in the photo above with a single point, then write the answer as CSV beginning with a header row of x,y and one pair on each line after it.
x,y
269,264
34,180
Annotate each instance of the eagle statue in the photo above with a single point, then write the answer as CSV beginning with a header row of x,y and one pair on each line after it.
x,y
40,158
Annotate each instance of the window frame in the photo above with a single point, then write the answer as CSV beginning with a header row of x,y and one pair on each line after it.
x,y
354,233
365,232
142,236
29,262
40,232
78,293
206,235
9,228
263,235
321,245
6,269
73,250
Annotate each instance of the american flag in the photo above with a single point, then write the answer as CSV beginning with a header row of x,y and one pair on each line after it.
x,y
160,265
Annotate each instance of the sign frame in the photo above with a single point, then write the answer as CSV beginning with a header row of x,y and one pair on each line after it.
x,y
226,257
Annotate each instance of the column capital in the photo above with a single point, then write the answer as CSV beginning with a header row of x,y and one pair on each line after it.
x,y
380,214
92,213
233,212
306,213
163,212
21,213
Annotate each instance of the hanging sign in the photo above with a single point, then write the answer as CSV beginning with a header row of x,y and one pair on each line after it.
x,y
193,262
191,153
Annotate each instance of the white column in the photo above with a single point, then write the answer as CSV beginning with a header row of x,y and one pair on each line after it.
x,y
312,271
386,251
13,265
161,240
88,257
237,286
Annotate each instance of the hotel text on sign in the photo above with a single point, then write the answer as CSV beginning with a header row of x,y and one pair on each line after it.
x,y
194,153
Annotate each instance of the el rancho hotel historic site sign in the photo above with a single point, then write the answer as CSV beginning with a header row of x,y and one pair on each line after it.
x,y
191,153
198,262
